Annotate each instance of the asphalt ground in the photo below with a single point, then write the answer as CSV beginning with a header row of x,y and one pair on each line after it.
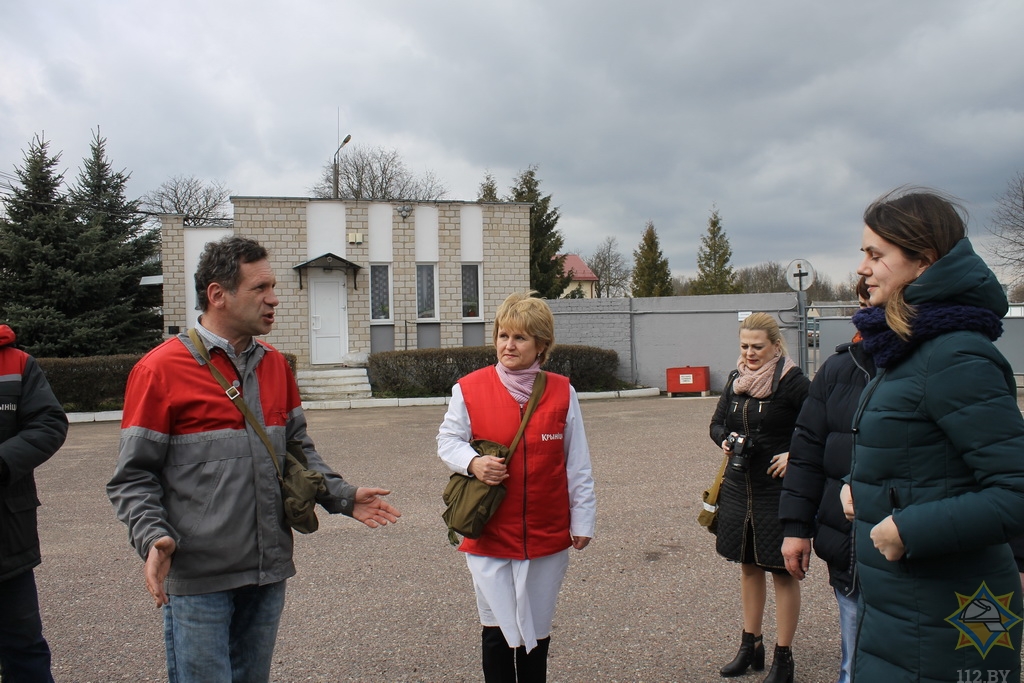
x,y
647,601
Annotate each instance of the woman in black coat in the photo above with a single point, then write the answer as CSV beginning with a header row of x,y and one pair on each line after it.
x,y
753,424
819,460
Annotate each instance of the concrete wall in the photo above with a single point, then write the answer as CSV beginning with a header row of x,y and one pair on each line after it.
x,y
654,334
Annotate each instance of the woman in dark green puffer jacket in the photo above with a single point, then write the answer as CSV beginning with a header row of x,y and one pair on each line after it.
x,y
938,468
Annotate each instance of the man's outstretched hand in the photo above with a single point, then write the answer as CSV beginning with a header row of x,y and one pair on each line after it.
x,y
372,510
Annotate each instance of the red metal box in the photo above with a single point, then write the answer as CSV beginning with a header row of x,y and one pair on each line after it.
x,y
687,380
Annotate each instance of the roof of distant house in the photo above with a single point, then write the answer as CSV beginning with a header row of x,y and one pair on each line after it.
x,y
581,272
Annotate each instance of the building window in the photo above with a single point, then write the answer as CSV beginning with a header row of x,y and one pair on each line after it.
x,y
380,292
426,291
471,290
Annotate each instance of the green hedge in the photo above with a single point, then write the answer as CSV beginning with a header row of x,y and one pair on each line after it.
x,y
96,383
89,384
432,372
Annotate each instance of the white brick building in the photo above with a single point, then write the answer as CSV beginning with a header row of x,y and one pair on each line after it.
x,y
356,277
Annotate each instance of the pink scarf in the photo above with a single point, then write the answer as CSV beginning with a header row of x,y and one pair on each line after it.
x,y
519,382
758,383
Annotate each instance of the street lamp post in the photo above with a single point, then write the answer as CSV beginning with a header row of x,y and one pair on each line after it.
x,y
336,152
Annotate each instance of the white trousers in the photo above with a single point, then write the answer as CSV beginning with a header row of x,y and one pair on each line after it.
x,y
518,596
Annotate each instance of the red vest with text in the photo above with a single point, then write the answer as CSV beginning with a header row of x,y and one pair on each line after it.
x,y
533,520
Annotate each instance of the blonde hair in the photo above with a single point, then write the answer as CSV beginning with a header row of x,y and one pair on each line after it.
x,y
765,323
523,312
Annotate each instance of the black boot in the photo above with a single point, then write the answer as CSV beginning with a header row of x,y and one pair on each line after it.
x,y
751,654
782,666
533,667
499,659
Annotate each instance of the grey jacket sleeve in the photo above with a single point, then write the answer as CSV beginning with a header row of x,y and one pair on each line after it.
x,y
341,495
136,491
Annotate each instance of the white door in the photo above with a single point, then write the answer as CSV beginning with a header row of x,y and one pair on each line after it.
x,y
328,320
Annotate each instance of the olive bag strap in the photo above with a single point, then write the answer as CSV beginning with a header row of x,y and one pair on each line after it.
x,y
236,397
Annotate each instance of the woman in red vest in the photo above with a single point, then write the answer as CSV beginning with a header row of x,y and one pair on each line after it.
x,y
519,561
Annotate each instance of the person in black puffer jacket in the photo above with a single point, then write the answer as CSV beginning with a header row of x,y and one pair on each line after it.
x,y
761,401
819,460
32,427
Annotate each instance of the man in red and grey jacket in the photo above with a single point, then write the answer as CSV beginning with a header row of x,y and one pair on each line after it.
x,y
197,487
32,427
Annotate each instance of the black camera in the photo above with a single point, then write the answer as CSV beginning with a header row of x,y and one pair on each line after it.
x,y
740,459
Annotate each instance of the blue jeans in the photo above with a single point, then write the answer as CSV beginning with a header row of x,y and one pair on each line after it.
x,y
848,633
24,654
225,637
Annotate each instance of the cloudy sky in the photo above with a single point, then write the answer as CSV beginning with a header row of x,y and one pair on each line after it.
x,y
789,116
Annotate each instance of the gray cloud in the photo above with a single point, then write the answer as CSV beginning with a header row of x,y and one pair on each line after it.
x,y
787,116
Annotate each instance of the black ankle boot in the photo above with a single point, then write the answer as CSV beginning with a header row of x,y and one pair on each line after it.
x,y
499,660
782,666
751,655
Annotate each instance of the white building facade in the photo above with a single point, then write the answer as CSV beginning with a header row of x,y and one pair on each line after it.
x,y
358,277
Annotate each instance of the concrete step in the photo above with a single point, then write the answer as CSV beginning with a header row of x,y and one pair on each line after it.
x,y
332,372
334,384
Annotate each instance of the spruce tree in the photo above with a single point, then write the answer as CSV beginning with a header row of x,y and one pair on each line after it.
x,y
70,265
546,241
651,274
124,250
34,248
715,274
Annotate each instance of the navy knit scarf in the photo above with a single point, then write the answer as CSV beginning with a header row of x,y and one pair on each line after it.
x,y
931,320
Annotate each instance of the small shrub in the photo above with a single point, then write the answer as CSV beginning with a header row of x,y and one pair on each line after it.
x,y
433,372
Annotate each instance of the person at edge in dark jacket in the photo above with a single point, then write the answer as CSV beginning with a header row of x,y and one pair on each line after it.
x,y
519,561
819,460
753,425
32,428
937,478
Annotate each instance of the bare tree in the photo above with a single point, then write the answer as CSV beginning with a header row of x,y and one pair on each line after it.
x,y
199,201
825,290
1008,228
1017,294
682,286
769,276
376,173
611,269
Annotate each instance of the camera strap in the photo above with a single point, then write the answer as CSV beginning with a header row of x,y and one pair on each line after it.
x,y
777,377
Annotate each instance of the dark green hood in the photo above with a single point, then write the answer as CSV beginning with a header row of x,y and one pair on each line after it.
x,y
959,277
